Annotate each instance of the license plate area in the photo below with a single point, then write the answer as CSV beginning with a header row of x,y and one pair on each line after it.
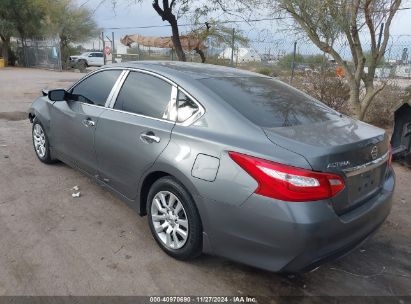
x,y
364,185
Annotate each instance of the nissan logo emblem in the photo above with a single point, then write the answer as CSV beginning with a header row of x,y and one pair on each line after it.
x,y
374,152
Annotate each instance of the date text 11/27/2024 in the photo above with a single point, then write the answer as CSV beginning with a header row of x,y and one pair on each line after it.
x,y
204,299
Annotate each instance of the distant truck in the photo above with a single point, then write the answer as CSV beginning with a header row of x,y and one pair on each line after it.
x,y
87,59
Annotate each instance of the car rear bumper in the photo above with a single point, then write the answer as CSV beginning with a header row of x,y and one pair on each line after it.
x,y
292,237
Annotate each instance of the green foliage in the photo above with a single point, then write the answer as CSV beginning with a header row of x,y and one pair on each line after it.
x,y
286,60
219,35
315,59
26,17
72,24
32,19
265,71
6,29
311,60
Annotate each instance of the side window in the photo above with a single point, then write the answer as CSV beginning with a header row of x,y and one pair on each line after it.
x,y
144,94
96,88
186,107
99,55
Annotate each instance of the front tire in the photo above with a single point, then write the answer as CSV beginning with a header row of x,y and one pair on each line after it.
x,y
41,143
82,65
174,220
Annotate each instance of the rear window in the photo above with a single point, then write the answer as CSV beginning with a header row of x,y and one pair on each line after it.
x,y
269,103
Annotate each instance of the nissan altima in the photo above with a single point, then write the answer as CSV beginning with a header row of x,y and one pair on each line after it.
x,y
222,161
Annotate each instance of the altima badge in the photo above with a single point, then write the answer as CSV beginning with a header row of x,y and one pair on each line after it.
x,y
341,164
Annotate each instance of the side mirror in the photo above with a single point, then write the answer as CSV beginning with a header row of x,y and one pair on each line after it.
x,y
91,55
57,95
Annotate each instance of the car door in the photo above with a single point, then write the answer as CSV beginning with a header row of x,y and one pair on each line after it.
x,y
92,59
73,122
133,134
99,57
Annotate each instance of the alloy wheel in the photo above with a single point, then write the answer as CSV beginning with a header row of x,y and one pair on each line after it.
x,y
39,139
169,219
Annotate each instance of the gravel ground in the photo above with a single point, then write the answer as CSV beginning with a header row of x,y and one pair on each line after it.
x,y
53,244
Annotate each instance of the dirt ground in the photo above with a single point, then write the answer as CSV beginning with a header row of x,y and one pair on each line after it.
x,y
53,244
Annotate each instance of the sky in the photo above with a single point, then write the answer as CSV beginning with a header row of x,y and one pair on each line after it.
x,y
128,14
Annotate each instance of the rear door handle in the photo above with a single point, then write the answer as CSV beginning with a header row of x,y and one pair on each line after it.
x,y
149,137
88,122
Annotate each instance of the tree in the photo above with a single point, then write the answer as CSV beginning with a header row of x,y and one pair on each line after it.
x,y
45,18
174,10
166,13
72,24
325,21
368,60
27,18
217,35
6,31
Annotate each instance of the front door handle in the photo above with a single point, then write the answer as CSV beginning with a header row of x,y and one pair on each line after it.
x,y
149,137
88,122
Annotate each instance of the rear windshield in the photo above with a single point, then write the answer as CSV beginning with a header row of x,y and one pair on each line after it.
x,y
269,103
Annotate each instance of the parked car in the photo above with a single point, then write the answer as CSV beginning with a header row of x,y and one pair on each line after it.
x,y
87,59
222,161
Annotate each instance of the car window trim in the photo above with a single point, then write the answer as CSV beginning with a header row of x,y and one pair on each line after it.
x,y
172,105
120,86
111,99
110,95
196,116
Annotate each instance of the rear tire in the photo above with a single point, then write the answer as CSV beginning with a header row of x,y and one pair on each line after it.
x,y
173,219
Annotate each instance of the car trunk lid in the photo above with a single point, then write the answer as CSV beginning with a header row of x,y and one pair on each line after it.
x,y
352,149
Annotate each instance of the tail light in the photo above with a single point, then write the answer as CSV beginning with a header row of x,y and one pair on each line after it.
x,y
288,183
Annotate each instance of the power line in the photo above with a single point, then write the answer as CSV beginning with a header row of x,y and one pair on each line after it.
x,y
196,24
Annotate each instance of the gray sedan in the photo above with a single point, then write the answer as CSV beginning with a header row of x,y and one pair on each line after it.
x,y
222,161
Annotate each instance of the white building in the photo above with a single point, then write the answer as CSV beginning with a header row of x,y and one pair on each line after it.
x,y
403,71
382,72
241,55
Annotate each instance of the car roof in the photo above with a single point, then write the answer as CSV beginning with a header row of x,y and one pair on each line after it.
x,y
178,69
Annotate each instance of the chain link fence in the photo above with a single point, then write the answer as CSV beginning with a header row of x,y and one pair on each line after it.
x,y
39,54
287,57
293,59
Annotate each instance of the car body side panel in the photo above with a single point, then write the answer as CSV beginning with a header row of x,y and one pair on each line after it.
x,y
188,142
122,155
41,109
288,237
232,185
72,137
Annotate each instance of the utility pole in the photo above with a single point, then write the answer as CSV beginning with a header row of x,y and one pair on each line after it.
x,y
104,53
113,48
111,42
293,63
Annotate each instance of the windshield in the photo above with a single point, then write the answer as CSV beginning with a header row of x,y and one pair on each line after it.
x,y
269,103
